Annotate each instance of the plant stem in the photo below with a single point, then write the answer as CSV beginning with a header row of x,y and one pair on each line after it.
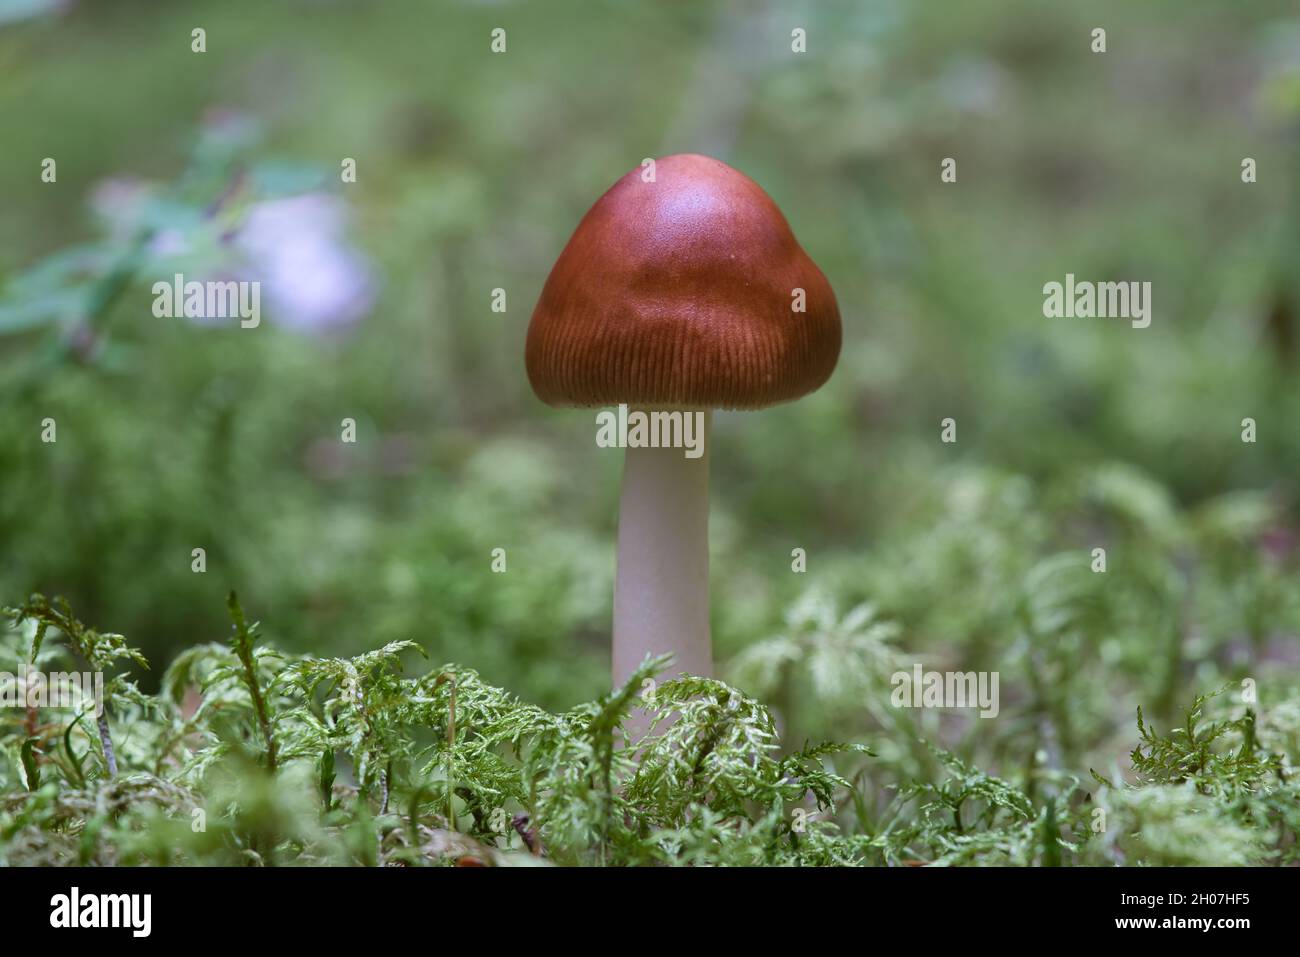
x,y
110,756
244,650
451,758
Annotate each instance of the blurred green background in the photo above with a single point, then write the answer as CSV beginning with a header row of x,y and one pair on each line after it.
x,y
473,168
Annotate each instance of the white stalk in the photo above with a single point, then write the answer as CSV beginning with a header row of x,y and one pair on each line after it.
x,y
661,592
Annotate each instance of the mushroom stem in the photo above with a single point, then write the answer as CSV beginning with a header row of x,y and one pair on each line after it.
x,y
661,592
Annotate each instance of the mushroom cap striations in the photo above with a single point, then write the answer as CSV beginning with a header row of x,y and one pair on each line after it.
x,y
682,292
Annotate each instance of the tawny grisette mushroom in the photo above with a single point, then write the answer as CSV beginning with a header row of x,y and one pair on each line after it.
x,y
686,293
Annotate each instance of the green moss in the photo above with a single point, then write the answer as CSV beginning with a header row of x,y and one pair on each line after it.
x,y
248,756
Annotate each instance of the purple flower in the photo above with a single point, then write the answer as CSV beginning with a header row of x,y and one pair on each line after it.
x,y
312,280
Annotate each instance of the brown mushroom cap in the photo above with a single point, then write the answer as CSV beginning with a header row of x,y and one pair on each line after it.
x,y
679,292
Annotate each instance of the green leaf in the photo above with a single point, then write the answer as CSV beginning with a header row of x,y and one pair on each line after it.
x,y
31,769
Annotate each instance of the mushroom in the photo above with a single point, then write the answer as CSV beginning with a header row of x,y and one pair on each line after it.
x,y
685,293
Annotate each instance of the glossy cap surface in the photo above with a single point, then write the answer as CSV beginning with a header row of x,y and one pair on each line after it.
x,y
682,292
